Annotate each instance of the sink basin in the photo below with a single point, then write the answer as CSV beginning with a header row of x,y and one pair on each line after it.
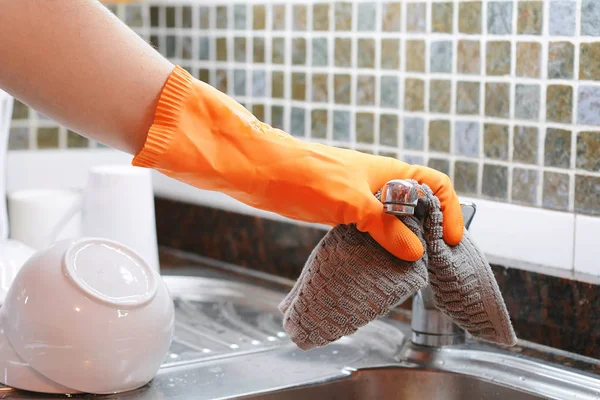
x,y
229,344
402,384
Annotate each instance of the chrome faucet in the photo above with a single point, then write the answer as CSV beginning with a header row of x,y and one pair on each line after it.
x,y
430,327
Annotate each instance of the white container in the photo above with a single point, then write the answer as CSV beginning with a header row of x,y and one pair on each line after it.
x,y
6,107
33,215
118,204
90,315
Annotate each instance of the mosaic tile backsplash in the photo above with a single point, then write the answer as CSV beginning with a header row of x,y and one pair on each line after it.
x,y
503,96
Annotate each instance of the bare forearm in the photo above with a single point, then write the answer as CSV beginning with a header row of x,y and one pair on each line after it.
x,y
75,62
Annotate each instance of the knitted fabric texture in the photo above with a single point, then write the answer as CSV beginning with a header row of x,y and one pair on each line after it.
x,y
349,280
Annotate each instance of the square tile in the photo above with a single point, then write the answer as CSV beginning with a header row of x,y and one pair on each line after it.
x,y
416,17
494,182
524,186
20,110
75,140
297,121
557,148
467,98
320,56
441,17
414,94
259,83
439,165
341,84
221,82
588,151
298,86
414,133
259,17
589,105
299,17
469,17
258,50
415,56
239,49
47,138
18,139
466,175
559,103
389,91
555,191
186,17
495,141
527,102
499,18
154,16
525,144
413,159
562,17
299,51
388,130
529,59
439,136
203,48
365,90
318,126
259,111
277,84
468,57
365,132
239,82
466,138
590,18
278,17
239,16
320,89
187,51
440,96
204,17
171,46
343,52
170,16
277,117
586,194
561,58
531,18
589,61
343,16
498,56
221,17
390,53
366,53
133,16
497,99
367,13
320,17
441,56
391,14
341,125
278,50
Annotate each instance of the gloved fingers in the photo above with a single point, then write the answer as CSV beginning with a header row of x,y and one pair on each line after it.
x,y
391,234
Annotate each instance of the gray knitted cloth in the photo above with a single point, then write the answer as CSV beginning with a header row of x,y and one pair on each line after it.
x,y
350,280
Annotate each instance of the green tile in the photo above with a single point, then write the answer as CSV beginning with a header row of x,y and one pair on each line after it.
x,y
388,130
465,177
20,110
278,51
559,103
75,140
494,183
498,58
497,100
589,61
525,144
561,60
467,98
588,151
586,194
495,141
366,53
47,138
555,191
524,186
439,165
557,148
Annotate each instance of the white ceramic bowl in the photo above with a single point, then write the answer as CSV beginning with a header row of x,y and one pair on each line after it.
x,y
13,255
91,315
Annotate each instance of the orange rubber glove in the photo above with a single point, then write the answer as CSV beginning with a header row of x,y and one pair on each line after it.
x,y
204,138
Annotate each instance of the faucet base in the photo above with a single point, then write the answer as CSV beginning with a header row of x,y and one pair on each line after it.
x,y
432,340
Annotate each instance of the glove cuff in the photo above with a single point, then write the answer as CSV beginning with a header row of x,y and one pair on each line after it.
x,y
166,119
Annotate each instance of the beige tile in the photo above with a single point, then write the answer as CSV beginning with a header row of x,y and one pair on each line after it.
x,y
469,57
498,56
415,55
528,59
469,17
414,94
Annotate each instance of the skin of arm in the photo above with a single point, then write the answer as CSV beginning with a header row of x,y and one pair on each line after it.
x,y
77,63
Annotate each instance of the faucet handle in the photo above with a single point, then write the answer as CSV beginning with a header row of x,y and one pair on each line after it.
x,y
399,197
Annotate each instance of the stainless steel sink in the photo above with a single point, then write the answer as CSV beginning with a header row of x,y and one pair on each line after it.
x,y
402,384
229,344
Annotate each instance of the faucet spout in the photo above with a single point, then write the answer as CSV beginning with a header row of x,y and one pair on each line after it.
x,y
430,327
